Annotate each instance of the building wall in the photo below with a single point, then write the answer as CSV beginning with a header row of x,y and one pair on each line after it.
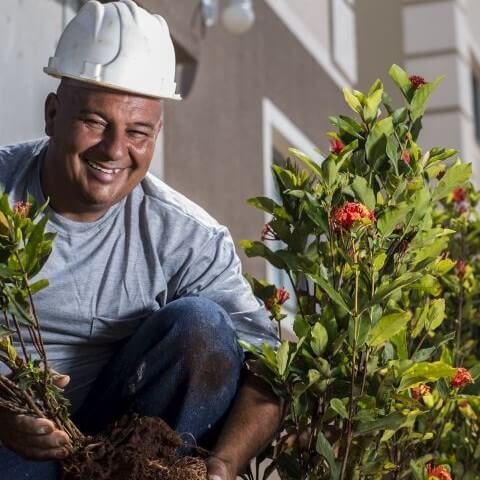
x,y
214,138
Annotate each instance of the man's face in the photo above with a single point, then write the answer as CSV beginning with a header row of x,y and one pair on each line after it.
x,y
101,145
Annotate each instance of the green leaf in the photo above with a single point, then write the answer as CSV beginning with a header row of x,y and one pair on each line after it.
x,y
373,102
386,289
352,100
347,125
391,422
38,285
35,238
390,218
436,314
379,261
425,372
270,206
330,171
5,332
338,406
282,357
324,448
315,167
258,249
363,192
388,326
421,96
456,177
377,139
399,340
301,327
319,338
400,77
330,291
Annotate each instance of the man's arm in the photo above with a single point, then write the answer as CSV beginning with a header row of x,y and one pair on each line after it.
x,y
252,423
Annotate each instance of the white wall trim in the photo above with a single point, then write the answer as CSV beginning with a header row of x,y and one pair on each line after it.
x,y
274,118
310,43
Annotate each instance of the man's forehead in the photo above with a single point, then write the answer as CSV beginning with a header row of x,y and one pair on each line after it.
x,y
90,87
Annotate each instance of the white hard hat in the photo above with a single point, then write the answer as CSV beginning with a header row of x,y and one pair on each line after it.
x,y
117,45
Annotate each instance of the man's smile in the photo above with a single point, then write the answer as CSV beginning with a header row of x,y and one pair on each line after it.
x,y
110,171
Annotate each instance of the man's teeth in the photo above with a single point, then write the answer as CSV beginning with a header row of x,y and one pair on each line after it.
x,y
101,169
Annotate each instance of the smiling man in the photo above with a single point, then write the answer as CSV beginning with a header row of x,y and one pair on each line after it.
x,y
146,300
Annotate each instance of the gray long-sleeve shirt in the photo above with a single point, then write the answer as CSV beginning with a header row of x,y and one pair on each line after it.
x,y
153,246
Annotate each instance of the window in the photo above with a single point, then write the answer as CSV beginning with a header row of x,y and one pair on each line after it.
x,y
280,133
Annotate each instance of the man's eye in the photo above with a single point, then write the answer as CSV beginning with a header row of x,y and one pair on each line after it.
x,y
138,134
94,123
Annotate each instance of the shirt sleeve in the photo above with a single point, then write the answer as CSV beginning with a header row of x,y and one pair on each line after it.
x,y
216,273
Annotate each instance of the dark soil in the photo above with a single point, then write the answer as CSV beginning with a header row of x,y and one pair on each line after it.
x,y
134,448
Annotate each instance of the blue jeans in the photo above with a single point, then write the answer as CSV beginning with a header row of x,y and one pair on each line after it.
x,y
183,364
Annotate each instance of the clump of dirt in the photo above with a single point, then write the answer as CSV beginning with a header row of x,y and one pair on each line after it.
x,y
134,448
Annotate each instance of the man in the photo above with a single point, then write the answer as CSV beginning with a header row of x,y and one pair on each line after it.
x,y
146,299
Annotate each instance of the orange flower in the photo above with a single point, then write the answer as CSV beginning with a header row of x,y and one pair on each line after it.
x,y
417,81
438,473
462,377
336,146
22,208
420,391
345,216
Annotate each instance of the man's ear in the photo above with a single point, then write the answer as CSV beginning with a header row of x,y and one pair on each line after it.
x,y
51,111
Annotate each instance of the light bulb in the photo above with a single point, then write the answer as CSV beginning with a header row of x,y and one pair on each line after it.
x,y
238,16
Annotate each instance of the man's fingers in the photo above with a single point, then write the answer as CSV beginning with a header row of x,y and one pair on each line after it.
x,y
57,439
32,425
61,381
43,454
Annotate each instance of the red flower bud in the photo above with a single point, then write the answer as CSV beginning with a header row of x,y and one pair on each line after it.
x,y
460,268
406,157
438,473
346,215
268,233
417,81
22,208
336,146
459,195
462,377
282,296
420,391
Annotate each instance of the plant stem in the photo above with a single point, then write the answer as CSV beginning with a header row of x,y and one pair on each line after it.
x,y
353,375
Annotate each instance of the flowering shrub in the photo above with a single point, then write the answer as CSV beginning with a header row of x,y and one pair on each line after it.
x,y
381,376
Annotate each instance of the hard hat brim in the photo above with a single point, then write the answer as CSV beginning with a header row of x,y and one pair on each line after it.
x,y
56,74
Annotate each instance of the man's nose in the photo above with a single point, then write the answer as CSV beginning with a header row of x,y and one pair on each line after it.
x,y
114,145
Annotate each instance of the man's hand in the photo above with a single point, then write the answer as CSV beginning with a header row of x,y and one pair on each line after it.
x,y
217,469
34,438
252,423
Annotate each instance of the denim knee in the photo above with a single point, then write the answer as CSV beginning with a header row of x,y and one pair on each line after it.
x,y
202,327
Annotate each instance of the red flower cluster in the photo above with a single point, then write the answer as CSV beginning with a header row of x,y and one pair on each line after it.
x,y
459,195
460,268
345,216
406,157
438,473
417,81
420,391
268,233
336,146
281,296
22,208
462,377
